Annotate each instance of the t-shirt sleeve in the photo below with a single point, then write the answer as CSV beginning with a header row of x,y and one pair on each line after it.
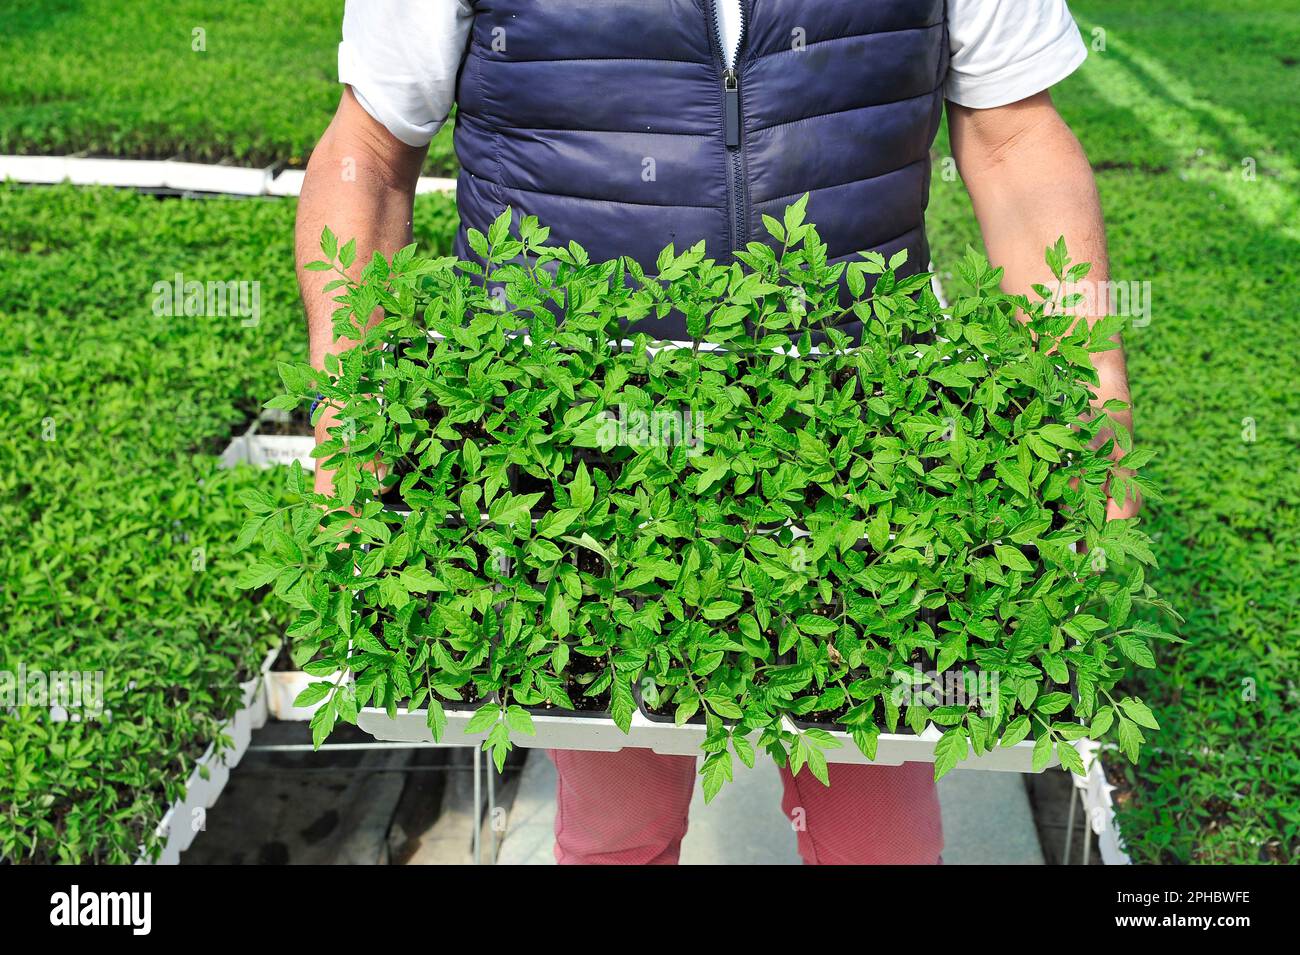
x,y
401,58
1006,50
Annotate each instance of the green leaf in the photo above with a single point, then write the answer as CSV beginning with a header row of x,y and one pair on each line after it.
x,y
256,575
726,709
866,738
322,722
878,531
520,720
1013,476
1130,739
313,694
581,491
1101,722
1011,558
817,765
418,580
1042,752
744,748
1016,731
720,609
555,523
544,551
774,228
590,543
812,623
1139,713
559,617
1050,703
1135,649
716,771
436,719
1070,758
622,705
950,750
685,710
794,214
486,715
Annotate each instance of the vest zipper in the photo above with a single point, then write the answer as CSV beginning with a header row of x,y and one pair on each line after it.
x,y
731,122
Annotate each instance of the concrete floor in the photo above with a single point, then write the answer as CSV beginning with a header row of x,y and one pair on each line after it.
x,y
304,808
986,818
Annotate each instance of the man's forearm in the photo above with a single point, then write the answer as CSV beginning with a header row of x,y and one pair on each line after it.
x,y
1030,182
352,188
361,184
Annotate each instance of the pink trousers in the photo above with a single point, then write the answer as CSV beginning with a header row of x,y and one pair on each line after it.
x,y
630,808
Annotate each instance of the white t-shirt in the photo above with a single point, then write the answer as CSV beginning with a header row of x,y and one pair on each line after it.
x,y
401,57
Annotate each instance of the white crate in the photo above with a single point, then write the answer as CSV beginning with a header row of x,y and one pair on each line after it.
x,y
269,450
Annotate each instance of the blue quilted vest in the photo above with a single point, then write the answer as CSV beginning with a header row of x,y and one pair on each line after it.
x,y
618,124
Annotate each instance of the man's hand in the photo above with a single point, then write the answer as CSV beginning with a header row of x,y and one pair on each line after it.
x,y
1030,182
361,183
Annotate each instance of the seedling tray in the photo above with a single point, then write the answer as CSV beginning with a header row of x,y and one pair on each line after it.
x,y
177,827
177,824
253,711
602,735
269,450
283,687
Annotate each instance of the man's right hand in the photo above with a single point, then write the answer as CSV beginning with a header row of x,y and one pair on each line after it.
x,y
360,183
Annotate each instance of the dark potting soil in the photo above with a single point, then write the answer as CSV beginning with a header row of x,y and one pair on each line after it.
x,y
472,429
526,483
666,715
1115,775
830,720
392,498
596,705
284,660
298,425
471,699
590,563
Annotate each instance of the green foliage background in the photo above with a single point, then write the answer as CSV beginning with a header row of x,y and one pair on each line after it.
x,y
108,484
1181,95
120,78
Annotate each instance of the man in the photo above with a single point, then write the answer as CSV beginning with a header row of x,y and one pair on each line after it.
x,y
629,124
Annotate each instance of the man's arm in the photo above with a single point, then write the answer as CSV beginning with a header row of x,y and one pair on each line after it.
x,y
1030,183
361,183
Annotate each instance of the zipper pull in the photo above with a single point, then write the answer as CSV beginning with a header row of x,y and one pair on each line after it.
x,y
731,106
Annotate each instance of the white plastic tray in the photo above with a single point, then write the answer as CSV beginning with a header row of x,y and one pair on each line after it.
x,y
252,714
269,450
283,687
1099,807
183,819
170,174
600,734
